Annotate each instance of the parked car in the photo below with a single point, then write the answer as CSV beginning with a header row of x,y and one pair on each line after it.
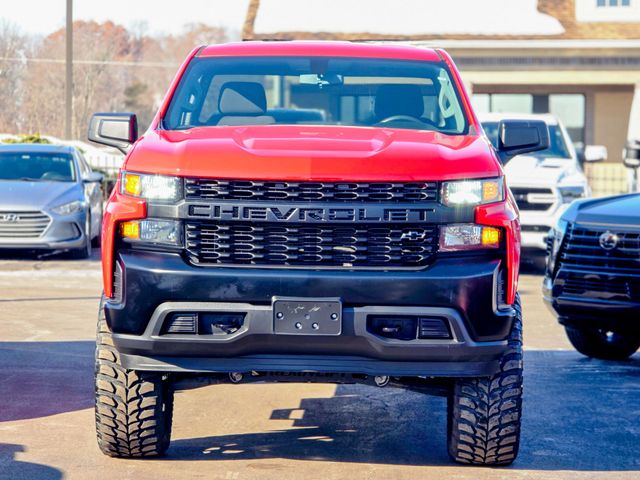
x,y
543,183
592,282
365,235
631,158
50,199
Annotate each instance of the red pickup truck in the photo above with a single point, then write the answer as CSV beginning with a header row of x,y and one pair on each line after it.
x,y
312,211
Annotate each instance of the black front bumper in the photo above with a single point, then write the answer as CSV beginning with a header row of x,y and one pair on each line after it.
x,y
598,307
462,290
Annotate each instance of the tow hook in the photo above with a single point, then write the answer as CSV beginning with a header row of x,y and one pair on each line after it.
x,y
381,380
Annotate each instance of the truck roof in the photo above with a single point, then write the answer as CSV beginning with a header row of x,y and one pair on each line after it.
x,y
321,49
36,147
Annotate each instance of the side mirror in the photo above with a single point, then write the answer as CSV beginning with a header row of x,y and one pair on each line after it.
x,y
517,137
595,153
631,154
117,130
94,177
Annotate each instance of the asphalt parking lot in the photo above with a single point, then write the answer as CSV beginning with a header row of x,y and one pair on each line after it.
x,y
582,417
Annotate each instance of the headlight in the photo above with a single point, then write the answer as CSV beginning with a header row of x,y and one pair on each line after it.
x,y
151,187
473,192
165,232
69,208
556,235
467,236
571,193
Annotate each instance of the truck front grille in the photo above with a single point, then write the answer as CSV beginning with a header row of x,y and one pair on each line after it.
x,y
533,199
254,190
611,288
302,245
22,224
581,250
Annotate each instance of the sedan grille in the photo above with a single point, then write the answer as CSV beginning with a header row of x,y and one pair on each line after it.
x,y
333,246
23,224
254,190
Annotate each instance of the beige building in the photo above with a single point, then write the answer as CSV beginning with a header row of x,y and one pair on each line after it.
x,y
578,59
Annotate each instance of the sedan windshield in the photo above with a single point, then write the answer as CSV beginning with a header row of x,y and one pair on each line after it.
x,y
557,146
36,167
366,92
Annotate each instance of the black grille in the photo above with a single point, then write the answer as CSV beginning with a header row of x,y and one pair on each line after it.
x,y
253,190
581,250
614,288
338,246
532,199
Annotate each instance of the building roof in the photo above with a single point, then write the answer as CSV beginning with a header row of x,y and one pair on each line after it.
x,y
416,20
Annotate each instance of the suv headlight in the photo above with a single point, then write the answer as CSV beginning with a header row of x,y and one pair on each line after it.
x,y
151,187
473,192
69,208
573,192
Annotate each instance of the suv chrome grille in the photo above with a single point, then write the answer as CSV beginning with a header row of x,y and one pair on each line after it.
x,y
331,245
533,199
22,224
254,190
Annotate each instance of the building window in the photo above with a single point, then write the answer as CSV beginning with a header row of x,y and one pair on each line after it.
x,y
568,107
613,3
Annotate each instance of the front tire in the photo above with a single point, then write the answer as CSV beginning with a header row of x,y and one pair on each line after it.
x,y
484,413
133,410
602,344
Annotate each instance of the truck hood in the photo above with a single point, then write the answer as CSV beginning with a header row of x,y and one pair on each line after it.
x,y
316,153
26,196
617,210
531,170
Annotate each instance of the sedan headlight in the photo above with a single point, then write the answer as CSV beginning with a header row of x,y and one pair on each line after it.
x,y
573,192
473,192
164,232
151,187
69,208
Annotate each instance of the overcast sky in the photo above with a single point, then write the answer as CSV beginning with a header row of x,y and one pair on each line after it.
x,y
162,16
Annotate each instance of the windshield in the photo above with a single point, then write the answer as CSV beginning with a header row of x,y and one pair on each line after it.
x,y
557,146
316,91
37,167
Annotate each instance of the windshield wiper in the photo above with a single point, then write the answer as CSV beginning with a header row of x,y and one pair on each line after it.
x,y
29,179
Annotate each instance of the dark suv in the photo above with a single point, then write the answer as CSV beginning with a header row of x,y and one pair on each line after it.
x,y
592,281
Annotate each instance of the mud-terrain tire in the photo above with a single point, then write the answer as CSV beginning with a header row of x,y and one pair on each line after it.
x,y
133,409
597,343
484,413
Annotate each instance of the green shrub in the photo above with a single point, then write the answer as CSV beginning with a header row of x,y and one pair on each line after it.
x,y
32,138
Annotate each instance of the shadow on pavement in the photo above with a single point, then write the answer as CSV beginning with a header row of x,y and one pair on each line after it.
x,y
12,469
580,414
38,379
45,255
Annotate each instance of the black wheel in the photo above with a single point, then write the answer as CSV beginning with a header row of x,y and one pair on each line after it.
x,y
603,344
133,409
484,413
84,251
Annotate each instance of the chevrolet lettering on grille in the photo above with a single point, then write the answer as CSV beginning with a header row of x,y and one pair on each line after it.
x,y
369,214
